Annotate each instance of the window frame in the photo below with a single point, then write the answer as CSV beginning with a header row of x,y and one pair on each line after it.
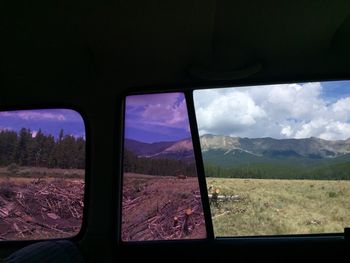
x,y
187,90
87,178
199,168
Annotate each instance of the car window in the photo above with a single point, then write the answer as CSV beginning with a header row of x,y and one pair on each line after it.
x,y
161,197
42,172
276,157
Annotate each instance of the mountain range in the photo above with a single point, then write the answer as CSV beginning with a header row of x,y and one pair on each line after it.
x,y
308,147
312,148
178,150
231,151
277,157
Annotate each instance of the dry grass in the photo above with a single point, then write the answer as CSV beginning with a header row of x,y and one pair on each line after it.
x,y
280,207
42,172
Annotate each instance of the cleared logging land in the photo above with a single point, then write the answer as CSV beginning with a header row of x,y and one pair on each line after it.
x,y
161,207
280,207
40,203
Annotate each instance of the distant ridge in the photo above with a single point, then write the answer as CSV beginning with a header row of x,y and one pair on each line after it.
x,y
313,148
225,156
309,147
268,158
178,150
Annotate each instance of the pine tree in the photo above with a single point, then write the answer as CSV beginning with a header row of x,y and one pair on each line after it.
x,y
21,151
41,150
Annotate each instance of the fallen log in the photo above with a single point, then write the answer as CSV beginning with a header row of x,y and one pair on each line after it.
x,y
224,197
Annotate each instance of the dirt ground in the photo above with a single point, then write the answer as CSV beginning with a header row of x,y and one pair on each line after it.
x,y
161,208
40,208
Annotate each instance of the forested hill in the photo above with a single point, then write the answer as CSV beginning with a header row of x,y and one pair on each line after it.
x,y
224,156
157,166
24,149
161,158
267,158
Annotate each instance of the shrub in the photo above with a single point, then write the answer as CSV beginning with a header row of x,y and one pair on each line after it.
x,y
13,168
332,194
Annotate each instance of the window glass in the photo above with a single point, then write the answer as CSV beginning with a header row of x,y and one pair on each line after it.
x,y
161,197
42,170
277,157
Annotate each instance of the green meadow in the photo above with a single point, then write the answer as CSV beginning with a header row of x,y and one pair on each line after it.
x,y
280,207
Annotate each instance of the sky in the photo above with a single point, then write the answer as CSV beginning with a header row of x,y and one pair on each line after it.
x,y
156,117
285,111
50,121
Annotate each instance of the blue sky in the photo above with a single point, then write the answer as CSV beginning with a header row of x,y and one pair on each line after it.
x,y
303,110
300,110
156,117
50,121
279,111
335,90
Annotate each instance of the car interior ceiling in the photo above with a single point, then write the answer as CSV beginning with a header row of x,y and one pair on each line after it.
x,y
89,54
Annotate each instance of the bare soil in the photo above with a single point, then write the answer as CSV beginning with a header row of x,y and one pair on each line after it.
x,y
40,208
161,208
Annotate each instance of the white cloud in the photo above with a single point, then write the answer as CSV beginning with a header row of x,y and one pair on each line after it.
x,y
341,109
34,115
157,112
278,111
34,133
163,114
287,131
229,113
324,129
178,114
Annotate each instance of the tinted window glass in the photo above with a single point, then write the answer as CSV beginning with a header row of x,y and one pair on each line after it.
x,y
42,170
277,157
161,197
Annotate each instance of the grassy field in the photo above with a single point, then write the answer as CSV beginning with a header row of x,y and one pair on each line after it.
x,y
280,207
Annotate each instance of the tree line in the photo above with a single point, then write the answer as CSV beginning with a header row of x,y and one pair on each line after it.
x,y
24,149
151,166
272,171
